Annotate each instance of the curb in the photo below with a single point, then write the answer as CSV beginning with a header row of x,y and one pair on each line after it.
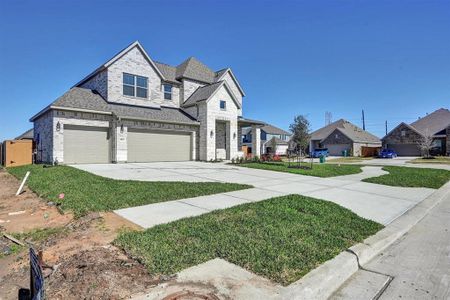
x,y
323,281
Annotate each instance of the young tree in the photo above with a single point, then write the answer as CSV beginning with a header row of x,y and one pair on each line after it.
x,y
426,143
300,129
273,146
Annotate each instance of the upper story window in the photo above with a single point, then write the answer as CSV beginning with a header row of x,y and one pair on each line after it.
x,y
135,86
403,132
167,91
223,105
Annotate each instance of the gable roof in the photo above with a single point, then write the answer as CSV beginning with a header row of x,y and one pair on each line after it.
x,y
434,122
221,74
350,130
270,129
278,141
204,93
83,99
118,56
29,134
169,72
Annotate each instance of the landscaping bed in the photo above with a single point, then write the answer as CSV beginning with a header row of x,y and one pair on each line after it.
x,y
281,238
412,177
85,192
442,160
318,170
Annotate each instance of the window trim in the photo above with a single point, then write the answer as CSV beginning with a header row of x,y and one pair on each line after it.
x,y
135,86
167,93
225,105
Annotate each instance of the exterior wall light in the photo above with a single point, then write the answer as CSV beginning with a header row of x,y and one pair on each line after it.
x,y
58,126
234,135
121,128
211,134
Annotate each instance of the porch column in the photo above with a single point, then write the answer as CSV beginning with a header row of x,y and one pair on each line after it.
x,y
256,141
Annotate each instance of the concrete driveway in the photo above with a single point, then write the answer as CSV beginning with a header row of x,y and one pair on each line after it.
x,y
376,202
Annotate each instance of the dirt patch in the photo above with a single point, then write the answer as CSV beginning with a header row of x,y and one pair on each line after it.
x,y
82,264
26,211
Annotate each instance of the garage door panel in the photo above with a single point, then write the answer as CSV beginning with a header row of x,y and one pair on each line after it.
x,y
336,149
405,149
146,146
84,144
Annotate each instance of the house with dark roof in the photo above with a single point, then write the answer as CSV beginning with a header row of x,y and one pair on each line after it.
x,y
134,109
405,138
27,135
268,135
343,135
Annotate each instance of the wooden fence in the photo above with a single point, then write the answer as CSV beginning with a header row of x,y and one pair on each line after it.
x,y
17,153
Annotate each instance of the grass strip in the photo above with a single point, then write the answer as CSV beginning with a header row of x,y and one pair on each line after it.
x,y
85,192
281,238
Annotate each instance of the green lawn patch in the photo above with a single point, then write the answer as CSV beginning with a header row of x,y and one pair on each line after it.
x,y
350,159
412,177
85,192
442,160
281,238
318,170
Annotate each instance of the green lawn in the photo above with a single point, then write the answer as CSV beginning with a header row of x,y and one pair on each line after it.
x,y
281,238
443,160
86,192
318,170
350,159
412,177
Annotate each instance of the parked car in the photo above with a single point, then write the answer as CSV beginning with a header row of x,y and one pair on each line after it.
x,y
319,152
387,153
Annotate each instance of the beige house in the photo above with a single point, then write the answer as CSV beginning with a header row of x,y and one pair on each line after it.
x,y
343,135
134,109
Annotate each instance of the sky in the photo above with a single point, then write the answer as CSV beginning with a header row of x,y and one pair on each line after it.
x,y
390,58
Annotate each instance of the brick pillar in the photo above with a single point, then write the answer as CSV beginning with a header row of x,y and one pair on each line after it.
x,y
256,141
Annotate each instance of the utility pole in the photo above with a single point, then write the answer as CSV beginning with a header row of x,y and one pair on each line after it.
x,y
327,118
385,126
364,122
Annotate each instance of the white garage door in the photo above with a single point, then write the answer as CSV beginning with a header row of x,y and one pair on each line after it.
x,y
405,149
336,149
84,145
148,146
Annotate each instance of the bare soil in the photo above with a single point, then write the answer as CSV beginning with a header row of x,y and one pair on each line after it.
x,y
82,263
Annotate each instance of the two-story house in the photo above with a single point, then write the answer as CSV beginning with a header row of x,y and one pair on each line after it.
x,y
269,133
134,109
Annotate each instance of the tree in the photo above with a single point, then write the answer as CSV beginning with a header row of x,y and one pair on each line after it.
x,y
273,146
300,129
425,143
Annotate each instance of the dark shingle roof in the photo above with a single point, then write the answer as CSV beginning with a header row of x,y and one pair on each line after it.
x,y
278,141
270,129
434,122
169,72
352,131
29,134
192,68
81,98
202,93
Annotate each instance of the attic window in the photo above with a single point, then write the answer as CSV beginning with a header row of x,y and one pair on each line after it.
x,y
403,132
135,86
223,105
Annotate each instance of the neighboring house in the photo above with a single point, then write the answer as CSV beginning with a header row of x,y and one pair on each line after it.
x,y
268,132
343,135
133,109
405,138
27,135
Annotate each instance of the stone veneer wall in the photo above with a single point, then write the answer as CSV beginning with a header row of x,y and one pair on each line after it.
x,y
51,144
337,137
395,137
189,87
234,88
43,135
134,62
99,83
209,113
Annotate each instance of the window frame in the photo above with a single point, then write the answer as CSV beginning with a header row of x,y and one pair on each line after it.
x,y
168,93
135,85
224,106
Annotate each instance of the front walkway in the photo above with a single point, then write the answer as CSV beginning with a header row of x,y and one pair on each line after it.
x,y
376,202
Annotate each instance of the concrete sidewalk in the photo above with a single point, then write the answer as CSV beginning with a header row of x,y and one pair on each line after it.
x,y
418,263
376,202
